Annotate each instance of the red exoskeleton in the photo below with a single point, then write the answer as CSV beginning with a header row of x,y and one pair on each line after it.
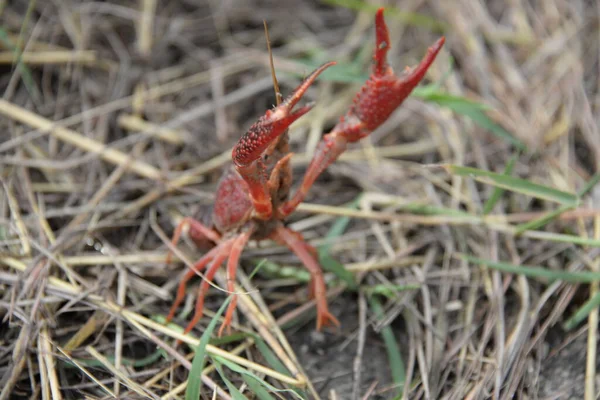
x,y
252,196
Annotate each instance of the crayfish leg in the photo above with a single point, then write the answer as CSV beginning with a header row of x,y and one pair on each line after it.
x,y
196,230
222,251
199,266
232,266
305,253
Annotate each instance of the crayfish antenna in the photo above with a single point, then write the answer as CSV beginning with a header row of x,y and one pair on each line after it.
x,y
278,95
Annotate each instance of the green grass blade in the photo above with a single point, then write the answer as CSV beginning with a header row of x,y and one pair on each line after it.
x,y
343,72
233,390
393,349
582,313
274,362
535,224
517,185
246,373
541,221
26,74
256,388
562,238
349,72
470,109
270,269
339,226
482,119
589,185
388,290
329,263
332,265
234,337
537,272
193,389
432,93
426,209
259,265
270,357
498,192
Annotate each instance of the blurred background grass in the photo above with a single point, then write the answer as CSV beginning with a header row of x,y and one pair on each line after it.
x,y
460,239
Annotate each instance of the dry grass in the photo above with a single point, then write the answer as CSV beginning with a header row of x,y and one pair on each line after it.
x,y
117,119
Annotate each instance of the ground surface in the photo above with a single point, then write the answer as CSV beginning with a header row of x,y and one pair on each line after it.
x,y
117,118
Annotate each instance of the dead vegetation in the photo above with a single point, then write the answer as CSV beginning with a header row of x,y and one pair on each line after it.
x,y
117,118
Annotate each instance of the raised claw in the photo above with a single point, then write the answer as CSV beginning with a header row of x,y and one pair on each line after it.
x,y
378,98
275,122
383,93
248,151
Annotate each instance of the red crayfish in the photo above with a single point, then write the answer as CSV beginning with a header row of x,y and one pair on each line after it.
x,y
252,196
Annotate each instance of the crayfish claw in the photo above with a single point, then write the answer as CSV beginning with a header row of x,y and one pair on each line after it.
x,y
377,99
247,152
274,123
